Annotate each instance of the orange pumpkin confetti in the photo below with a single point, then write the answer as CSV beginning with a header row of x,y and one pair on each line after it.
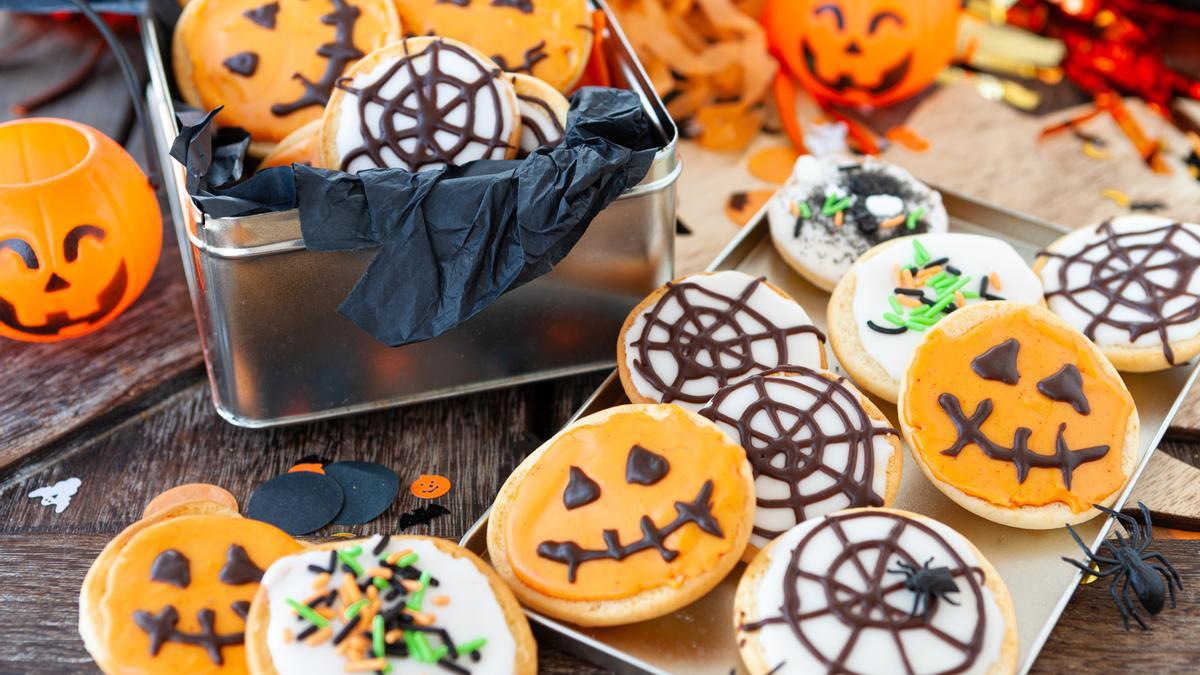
x,y
773,163
741,206
429,486
314,467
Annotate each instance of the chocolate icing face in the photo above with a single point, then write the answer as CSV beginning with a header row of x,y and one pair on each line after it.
x,y
338,54
999,363
581,490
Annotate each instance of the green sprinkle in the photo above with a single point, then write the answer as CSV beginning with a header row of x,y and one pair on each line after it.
x,y
899,309
925,319
919,251
355,608
833,205
941,304
353,551
958,285
919,311
829,200
424,649
418,597
348,560
440,653
913,325
937,278
892,318
380,583
805,212
970,294
472,646
407,560
308,613
377,635
913,216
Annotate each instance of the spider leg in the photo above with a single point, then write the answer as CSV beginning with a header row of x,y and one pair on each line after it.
x,y
1112,590
1091,572
1132,608
1154,555
1130,525
929,562
916,605
946,598
1091,556
1149,525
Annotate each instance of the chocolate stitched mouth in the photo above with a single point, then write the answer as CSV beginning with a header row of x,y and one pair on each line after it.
x,y
109,298
891,77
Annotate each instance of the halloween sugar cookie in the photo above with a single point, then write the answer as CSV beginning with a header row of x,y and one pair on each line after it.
x,y
420,104
816,446
887,301
1132,285
302,146
1018,417
394,604
549,39
273,63
171,592
543,113
874,591
623,516
701,332
831,210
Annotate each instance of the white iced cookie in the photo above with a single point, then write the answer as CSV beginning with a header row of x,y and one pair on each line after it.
x,y
543,113
874,591
831,210
880,310
815,443
420,104
701,332
396,604
1132,285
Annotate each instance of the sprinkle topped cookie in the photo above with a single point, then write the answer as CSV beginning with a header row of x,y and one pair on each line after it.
x,y
832,210
272,64
393,604
874,591
816,446
420,104
704,331
625,515
882,308
1132,285
1018,417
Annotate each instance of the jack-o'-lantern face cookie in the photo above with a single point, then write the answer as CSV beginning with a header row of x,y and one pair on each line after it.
x,y
1018,417
273,63
549,39
171,593
625,515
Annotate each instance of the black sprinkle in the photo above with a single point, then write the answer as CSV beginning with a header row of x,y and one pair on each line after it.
x,y
954,270
333,561
345,631
885,330
453,667
312,628
799,224
935,263
911,292
476,656
392,595
317,569
383,542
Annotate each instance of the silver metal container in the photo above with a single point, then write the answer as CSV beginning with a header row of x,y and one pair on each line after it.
x,y
278,352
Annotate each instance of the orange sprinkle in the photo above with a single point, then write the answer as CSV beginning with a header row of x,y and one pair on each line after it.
x,y
410,585
326,612
391,559
909,301
319,636
441,600
372,592
906,279
350,586
287,636
379,573
310,598
839,218
421,618
959,299
892,222
393,636
994,280
321,581
928,272
793,208
366,666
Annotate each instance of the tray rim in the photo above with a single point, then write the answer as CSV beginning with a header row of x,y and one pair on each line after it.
x,y
749,236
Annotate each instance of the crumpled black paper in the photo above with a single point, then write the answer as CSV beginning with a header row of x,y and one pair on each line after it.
x,y
451,241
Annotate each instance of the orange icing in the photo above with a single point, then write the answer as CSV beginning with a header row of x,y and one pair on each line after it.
x,y
696,454
506,31
943,365
204,541
215,31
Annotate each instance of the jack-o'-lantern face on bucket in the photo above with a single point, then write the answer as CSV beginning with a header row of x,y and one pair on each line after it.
x,y
80,230
863,52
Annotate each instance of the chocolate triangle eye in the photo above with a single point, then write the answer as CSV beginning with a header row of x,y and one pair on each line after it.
x,y
171,567
244,64
999,363
239,568
264,15
581,490
644,467
1066,386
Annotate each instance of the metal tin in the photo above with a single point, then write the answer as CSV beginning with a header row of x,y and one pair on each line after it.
x,y
699,638
278,352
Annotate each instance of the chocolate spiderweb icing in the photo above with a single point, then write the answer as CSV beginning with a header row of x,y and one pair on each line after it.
x,y
1122,277
420,104
875,602
794,449
709,341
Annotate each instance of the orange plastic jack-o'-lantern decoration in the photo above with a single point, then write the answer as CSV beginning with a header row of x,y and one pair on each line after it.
x,y
80,230
862,52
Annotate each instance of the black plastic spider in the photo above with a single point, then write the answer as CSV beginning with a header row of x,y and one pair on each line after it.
x,y
927,583
1130,564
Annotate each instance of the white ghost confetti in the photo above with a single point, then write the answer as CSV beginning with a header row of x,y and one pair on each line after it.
x,y
57,495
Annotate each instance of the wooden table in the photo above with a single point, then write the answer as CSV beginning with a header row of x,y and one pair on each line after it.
x,y
127,410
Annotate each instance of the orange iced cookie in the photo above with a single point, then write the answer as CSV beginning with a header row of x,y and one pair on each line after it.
x,y
171,592
626,515
1018,417
273,63
549,39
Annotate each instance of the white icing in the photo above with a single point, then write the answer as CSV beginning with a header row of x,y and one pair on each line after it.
x,y
830,419
875,650
974,255
472,612
884,206
803,349
534,115
825,250
469,70
1079,274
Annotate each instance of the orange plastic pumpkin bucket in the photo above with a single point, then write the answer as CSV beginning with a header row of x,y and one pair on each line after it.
x,y
80,229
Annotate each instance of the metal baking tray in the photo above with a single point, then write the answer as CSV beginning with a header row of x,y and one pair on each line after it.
x,y
278,352
700,639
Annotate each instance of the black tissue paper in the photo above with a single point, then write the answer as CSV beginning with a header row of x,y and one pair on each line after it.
x,y
453,240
